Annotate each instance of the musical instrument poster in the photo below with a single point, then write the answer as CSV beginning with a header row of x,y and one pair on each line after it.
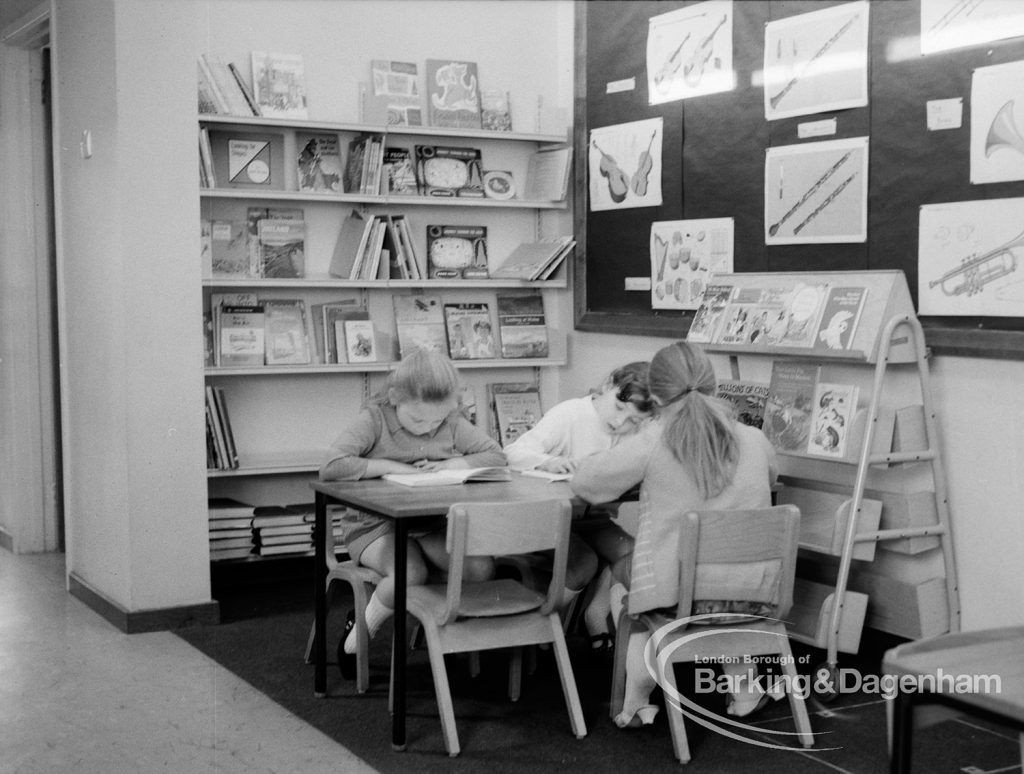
x,y
816,192
684,253
968,260
997,102
624,162
947,24
816,62
689,52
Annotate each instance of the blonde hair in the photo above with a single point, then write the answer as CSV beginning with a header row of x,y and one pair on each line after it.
x,y
699,427
423,375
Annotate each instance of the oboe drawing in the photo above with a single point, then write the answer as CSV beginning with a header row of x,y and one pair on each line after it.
x,y
828,200
777,98
774,229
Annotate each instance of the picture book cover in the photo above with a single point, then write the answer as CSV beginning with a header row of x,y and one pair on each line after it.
x,y
453,94
285,339
447,170
279,84
241,336
831,419
393,98
399,171
253,217
282,248
333,317
521,324
470,331
804,307
229,249
419,323
787,411
360,342
495,110
747,397
708,317
457,252
840,317
515,411
319,163
247,159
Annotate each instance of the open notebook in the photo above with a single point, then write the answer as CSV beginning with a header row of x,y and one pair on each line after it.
x,y
449,477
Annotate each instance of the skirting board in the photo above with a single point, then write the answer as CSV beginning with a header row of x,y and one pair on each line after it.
x,y
158,619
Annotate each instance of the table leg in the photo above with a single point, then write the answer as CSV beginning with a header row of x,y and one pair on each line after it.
x,y
320,597
400,643
902,734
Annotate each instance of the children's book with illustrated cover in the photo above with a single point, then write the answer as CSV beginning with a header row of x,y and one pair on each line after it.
x,y
521,324
840,317
229,249
457,252
495,110
804,305
318,165
247,159
393,97
253,217
516,407
470,331
747,397
446,171
285,335
360,340
282,248
399,171
279,84
831,419
334,316
787,411
240,333
419,323
453,94
708,317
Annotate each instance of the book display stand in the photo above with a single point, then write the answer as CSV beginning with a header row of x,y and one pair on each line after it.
x,y
875,536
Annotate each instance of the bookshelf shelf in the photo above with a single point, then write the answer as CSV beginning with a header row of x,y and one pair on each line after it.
x,y
327,282
414,201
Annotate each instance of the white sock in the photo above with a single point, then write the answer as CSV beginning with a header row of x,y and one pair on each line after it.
x,y
639,681
376,614
596,615
616,601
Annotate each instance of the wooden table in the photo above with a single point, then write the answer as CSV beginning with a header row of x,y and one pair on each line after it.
x,y
959,656
405,506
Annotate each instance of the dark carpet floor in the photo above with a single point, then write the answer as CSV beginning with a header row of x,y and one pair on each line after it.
x,y
263,634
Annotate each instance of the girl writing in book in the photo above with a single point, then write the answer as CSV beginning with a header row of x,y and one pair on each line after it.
x,y
561,438
695,455
414,425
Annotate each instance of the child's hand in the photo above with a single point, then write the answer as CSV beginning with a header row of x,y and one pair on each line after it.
x,y
558,465
425,466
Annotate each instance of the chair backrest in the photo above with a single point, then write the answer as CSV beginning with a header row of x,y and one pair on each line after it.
x,y
738,556
501,528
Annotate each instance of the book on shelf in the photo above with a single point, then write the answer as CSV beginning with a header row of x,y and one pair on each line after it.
x,y
228,507
365,163
229,249
279,84
804,306
210,102
831,419
547,175
285,334
318,166
787,410
298,538
515,408
470,331
457,252
401,261
245,87
708,317
399,172
282,247
360,340
209,176
840,316
392,97
206,247
216,445
220,543
416,271
448,170
453,94
449,477
221,404
495,110
279,516
325,319
346,247
240,331
227,86
419,323
289,549
247,159
303,529
221,554
219,532
747,397
521,324
535,260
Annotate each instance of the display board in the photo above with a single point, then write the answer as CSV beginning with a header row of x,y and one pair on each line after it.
x,y
711,151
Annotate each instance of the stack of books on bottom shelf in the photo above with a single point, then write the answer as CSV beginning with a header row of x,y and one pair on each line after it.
x,y
283,530
230,528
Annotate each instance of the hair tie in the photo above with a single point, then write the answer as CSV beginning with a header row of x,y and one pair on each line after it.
x,y
679,397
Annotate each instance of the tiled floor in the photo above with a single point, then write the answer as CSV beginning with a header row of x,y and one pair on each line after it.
x,y
77,695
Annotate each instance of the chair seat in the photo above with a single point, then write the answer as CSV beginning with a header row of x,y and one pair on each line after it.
x,y
480,600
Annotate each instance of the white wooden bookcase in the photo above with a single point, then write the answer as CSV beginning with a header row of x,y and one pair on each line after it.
x,y
875,544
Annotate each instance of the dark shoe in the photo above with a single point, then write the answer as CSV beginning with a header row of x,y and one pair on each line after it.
x,y
601,643
418,641
347,661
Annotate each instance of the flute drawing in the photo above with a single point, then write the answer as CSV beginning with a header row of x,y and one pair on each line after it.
x,y
774,101
773,230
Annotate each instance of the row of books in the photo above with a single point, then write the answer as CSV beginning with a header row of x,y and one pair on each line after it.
x,y
801,315
243,330
378,247
221,453
278,86
269,244
238,530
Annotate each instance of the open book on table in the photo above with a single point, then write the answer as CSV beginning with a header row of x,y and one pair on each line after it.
x,y
449,477
535,473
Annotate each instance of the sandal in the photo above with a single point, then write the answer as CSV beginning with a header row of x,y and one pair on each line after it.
x,y
601,643
347,661
641,716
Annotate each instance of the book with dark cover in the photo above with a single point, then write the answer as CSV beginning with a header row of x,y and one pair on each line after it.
x,y
521,324
457,252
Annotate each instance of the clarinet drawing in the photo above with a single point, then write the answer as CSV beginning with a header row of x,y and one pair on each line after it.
x,y
773,230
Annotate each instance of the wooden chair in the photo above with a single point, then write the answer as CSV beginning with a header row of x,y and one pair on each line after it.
x,y
459,617
363,580
740,556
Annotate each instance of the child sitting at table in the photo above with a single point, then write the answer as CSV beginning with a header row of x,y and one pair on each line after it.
x,y
414,425
695,456
567,433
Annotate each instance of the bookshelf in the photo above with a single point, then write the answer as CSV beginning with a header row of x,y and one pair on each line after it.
x,y
875,542
283,417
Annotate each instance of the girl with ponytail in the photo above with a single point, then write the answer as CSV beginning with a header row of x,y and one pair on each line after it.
x,y
694,456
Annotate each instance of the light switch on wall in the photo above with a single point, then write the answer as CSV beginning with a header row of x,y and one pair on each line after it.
x,y
85,146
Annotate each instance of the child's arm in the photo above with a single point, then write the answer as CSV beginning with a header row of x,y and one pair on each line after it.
x,y
605,476
477,449
545,445
346,460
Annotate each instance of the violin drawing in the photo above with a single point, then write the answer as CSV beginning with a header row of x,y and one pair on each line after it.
x,y
694,69
663,79
643,170
618,183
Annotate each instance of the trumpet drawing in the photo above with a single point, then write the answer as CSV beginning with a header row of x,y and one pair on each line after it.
x,y
774,228
976,271
777,98
828,200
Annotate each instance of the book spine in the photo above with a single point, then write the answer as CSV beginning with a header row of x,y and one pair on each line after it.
x,y
244,87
